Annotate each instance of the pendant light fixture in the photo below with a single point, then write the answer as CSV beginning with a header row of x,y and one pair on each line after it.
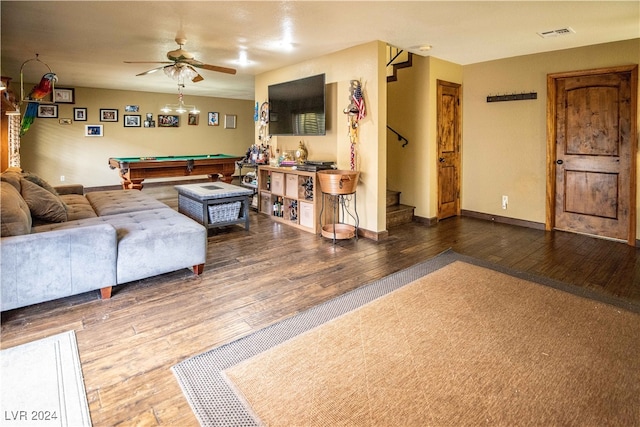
x,y
180,107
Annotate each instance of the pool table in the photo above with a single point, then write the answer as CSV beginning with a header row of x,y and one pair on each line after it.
x,y
134,170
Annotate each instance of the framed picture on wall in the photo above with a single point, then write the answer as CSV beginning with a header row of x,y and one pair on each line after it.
x,y
229,121
48,111
108,115
168,121
80,114
148,121
194,119
132,120
213,119
63,95
93,130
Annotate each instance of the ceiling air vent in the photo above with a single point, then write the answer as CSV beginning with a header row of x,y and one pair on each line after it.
x,y
555,33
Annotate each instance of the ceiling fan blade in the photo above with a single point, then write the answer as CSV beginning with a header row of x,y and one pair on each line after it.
x,y
213,67
148,62
153,70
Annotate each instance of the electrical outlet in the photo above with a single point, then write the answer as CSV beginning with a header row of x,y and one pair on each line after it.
x,y
61,178
505,202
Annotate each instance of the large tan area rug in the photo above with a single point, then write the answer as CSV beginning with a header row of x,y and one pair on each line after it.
x,y
42,384
449,342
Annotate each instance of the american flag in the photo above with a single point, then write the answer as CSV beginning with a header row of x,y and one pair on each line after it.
x,y
358,100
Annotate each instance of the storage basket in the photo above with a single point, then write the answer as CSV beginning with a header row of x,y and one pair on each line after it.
x,y
224,212
338,181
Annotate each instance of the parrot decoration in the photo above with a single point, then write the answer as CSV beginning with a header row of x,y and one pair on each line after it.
x,y
38,92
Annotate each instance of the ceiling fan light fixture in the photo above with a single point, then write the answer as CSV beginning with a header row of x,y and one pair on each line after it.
x,y
180,72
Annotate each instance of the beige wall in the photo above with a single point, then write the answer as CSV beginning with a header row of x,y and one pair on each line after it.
x,y
504,143
52,150
366,63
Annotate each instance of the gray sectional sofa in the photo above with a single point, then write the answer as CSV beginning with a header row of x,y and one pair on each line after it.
x,y
58,242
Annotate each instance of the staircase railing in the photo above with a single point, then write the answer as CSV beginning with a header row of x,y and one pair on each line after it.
x,y
392,56
400,137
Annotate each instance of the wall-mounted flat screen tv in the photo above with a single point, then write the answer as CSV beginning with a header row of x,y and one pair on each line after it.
x,y
298,107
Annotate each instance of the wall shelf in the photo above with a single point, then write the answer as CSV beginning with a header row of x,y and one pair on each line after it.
x,y
512,97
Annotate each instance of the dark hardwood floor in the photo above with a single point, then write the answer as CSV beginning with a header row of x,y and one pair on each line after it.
x,y
251,279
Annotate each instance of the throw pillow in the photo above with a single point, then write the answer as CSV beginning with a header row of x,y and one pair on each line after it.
x,y
42,203
30,176
15,218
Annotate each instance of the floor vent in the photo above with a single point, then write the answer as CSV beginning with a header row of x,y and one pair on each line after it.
x,y
555,33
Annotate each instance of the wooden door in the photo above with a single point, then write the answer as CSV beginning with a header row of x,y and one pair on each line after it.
x,y
448,139
595,153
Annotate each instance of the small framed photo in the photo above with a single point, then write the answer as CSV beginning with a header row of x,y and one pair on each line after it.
x,y
131,109
48,111
64,121
229,121
93,130
149,122
213,119
194,119
108,115
63,95
131,120
80,114
168,121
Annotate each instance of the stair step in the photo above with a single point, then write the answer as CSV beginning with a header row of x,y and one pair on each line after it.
x,y
393,198
399,214
396,66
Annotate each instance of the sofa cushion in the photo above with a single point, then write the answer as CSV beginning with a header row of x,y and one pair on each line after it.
x,y
78,207
69,189
42,203
150,242
122,201
15,218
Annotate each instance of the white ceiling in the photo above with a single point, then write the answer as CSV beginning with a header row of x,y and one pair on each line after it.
x,y
85,43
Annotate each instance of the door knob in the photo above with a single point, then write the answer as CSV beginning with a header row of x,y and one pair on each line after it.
x,y
559,162
441,159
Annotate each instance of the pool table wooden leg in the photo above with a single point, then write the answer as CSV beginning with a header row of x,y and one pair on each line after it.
x,y
221,177
134,184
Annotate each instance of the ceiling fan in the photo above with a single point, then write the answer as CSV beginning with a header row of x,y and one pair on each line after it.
x,y
181,63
